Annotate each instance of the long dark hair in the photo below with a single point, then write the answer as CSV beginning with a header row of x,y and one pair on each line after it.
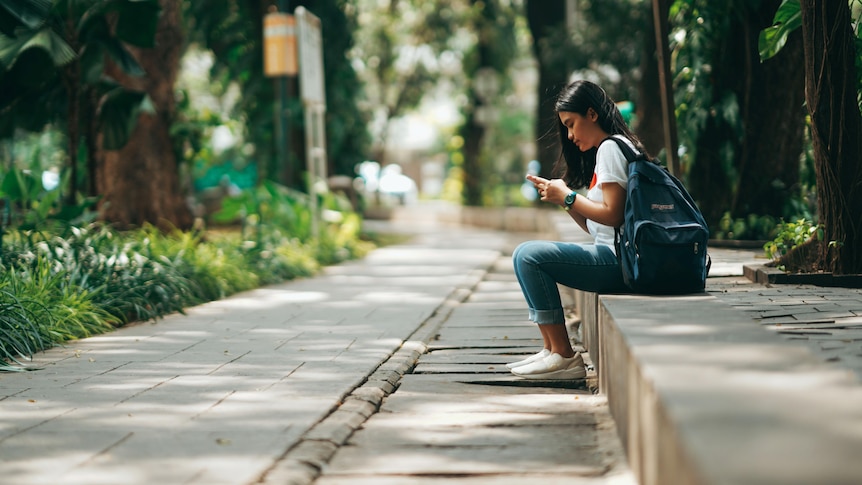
x,y
574,166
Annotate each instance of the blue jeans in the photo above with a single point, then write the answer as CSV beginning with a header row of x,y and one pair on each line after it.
x,y
540,265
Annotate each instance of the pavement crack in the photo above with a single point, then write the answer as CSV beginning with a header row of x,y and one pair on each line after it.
x,y
183,349
40,423
196,416
105,450
227,363
145,390
288,340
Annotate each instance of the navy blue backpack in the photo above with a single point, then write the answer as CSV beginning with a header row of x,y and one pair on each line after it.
x,y
662,244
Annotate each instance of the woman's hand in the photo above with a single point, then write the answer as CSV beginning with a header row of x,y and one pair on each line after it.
x,y
553,190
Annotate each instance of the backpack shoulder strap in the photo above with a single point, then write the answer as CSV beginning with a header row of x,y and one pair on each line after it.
x,y
630,154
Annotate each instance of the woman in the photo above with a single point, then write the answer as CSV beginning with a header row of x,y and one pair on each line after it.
x,y
587,117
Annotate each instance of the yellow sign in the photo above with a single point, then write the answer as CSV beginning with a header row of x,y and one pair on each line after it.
x,y
279,45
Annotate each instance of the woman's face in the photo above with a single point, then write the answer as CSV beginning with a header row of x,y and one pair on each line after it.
x,y
583,130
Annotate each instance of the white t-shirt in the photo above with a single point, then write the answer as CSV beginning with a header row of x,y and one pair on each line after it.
x,y
611,167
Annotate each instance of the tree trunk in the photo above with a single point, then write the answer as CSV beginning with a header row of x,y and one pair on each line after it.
x,y
771,106
473,134
836,125
140,182
545,17
72,84
650,127
765,155
475,130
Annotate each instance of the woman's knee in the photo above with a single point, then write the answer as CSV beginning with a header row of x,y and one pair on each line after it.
x,y
531,249
520,251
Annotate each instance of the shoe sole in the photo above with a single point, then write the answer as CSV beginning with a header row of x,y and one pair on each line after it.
x,y
557,375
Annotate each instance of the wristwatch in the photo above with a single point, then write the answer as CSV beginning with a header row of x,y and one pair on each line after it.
x,y
570,199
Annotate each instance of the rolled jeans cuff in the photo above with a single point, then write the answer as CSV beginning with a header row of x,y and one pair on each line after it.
x,y
548,317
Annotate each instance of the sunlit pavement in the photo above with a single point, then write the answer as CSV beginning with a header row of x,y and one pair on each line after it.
x,y
266,385
387,370
220,394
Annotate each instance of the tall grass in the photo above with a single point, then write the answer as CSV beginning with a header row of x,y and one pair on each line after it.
x,y
20,335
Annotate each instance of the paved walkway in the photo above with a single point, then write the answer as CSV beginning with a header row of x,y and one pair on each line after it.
x,y
385,370
266,385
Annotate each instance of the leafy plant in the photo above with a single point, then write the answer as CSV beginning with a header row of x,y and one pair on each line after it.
x,y
87,280
30,206
752,228
73,312
53,66
20,333
790,235
787,19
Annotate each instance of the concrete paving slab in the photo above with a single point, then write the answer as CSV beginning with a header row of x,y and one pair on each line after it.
x,y
464,356
443,394
549,478
459,461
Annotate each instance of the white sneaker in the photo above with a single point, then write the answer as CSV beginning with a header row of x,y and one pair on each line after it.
x,y
529,360
553,367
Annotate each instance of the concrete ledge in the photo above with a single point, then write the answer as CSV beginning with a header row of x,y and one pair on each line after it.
x,y
702,395
766,275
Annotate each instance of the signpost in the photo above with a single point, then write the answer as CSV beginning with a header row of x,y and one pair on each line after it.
x,y
294,44
313,93
280,62
279,45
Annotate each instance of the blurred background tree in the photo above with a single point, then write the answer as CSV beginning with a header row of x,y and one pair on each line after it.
x,y
91,73
741,120
61,69
233,31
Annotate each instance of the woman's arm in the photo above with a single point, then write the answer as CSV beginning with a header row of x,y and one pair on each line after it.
x,y
609,212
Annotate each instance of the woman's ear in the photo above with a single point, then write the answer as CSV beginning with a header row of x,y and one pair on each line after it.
x,y
592,115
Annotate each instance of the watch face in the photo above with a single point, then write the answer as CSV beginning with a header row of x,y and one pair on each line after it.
x,y
570,198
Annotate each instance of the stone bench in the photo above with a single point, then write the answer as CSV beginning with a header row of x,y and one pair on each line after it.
x,y
701,394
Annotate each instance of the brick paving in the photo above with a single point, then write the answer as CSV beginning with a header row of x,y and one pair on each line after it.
x,y
827,320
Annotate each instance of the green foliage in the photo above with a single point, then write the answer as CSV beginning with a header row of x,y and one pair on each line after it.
x,y
72,312
232,30
127,280
703,107
22,13
213,261
79,281
277,231
787,19
53,72
790,235
752,228
598,49
20,331
119,115
86,46
30,206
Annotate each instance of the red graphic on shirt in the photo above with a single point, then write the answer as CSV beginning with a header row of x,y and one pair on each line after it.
x,y
593,181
